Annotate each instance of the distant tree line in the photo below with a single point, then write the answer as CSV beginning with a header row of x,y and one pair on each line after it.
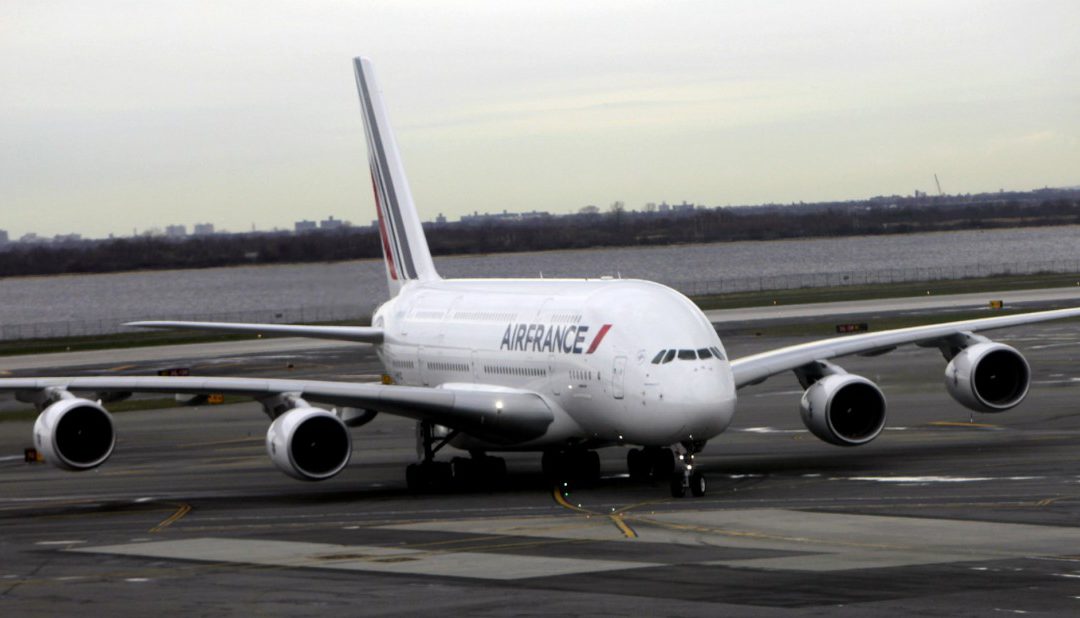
x,y
615,228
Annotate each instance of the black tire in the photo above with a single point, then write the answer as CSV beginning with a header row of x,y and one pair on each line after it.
x,y
549,463
465,471
697,484
496,468
590,466
678,486
413,477
663,463
637,464
440,475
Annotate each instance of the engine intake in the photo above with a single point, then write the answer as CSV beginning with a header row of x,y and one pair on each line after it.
x,y
988,377
309,444
75,434
844,409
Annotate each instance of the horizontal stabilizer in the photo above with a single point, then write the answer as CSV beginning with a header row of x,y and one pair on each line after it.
x,y
361,334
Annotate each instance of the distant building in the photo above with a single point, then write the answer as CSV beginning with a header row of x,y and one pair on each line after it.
x,y
505,215
175,231
305,226
3,237
684,207
588,210
31,237
441,219
203,229
331,224
663,207
63,238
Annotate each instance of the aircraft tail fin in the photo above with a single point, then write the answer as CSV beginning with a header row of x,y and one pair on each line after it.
x,y
405,248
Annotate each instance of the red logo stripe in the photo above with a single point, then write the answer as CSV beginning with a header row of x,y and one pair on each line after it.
x,y
382,230
599,337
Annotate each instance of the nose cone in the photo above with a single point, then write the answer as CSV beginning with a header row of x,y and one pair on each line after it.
x,y
707,399
691,405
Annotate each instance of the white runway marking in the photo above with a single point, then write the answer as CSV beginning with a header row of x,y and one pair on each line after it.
x,y
492,566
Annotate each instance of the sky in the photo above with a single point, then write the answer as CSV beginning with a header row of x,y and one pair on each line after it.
x,y
122,116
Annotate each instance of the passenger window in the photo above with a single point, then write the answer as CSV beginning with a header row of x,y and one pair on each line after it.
x,y
687,355
659,357
670,356
704,354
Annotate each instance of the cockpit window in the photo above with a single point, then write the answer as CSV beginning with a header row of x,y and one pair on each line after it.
x,y
687,355
670,356
659,357
717,353
704,354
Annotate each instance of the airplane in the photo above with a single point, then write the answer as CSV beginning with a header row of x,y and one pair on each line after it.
x,y
558,366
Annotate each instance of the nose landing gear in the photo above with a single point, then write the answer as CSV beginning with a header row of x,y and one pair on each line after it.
x,y
687,475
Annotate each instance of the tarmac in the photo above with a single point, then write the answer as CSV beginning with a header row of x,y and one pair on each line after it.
x,y
945,513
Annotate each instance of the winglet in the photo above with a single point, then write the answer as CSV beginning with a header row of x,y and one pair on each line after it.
x,y
404,246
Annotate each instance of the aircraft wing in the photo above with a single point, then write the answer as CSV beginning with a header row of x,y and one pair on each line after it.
x,y
361,334
494,413
755,368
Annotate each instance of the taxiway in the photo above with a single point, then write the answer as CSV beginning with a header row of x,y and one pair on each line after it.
x,y
943,514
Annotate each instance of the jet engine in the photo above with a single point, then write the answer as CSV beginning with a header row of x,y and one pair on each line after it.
x,y
844,409
988,377
309,444
75,434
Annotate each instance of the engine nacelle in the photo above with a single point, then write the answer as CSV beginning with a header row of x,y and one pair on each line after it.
x,y
75,434
988,377
309,444
844,409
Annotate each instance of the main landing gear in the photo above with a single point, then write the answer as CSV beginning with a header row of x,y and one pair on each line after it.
x,y
571,465
664,463
650,463
462,472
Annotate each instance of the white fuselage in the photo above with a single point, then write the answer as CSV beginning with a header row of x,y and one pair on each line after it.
x,y
587,346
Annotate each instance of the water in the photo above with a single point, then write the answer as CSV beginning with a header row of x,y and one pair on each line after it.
x,y
323,291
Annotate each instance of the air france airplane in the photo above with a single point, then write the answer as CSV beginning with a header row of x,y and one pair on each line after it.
x,y
560,367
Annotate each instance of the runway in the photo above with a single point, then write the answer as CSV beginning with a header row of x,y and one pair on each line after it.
x,y
940,515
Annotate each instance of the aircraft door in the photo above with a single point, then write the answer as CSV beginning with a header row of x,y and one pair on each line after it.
x,y
553,379
421,371
618,375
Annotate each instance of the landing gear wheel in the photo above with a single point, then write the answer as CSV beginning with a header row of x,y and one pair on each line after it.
x,y
571,465
590,466
697,484
662,462
678,485
428,476
637,464
549,463
413,477
478,471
